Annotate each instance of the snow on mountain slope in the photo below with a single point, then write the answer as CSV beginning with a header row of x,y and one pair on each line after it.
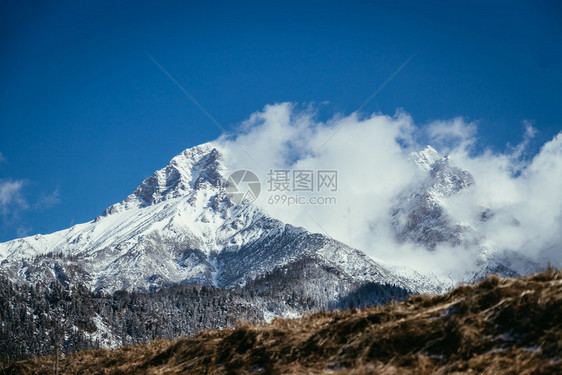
x,y
180,226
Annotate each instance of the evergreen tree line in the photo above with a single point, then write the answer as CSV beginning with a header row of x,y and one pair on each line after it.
x,y
35,319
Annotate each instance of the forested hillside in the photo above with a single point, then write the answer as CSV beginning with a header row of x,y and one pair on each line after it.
x,y
34,320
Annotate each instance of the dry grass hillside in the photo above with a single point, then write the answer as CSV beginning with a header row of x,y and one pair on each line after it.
x,y
500,326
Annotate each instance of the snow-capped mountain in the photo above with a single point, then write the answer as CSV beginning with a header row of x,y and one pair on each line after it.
x,y
177,256
179,226
420,215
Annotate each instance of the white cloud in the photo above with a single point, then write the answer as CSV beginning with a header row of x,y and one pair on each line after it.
x,y
23,231
13,205
455,133
47,200
521,148
366,153
2,158
10,194
527,206
371,155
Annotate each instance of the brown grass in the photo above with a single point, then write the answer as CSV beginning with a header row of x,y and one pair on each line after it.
x,y
500,326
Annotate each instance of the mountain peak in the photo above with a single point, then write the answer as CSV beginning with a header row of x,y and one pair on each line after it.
x,y
421,213
188,171
425,158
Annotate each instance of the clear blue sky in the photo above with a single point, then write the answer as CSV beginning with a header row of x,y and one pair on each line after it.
x,y
85,115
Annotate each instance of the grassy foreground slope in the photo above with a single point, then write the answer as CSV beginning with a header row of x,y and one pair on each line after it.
x,y
499,326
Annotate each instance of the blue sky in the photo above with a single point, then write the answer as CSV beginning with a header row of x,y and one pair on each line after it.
x,y
85,115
